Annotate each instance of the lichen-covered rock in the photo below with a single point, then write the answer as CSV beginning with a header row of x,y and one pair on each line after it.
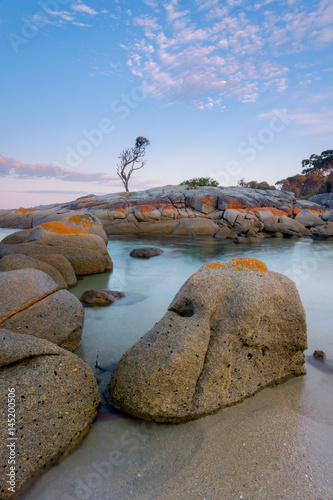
x,y
145,252
88,223
86,252
308,218
231,330
100,297
56,401
15,262
165,209
31,303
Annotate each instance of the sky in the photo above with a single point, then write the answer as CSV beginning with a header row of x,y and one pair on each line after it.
x,y
227,89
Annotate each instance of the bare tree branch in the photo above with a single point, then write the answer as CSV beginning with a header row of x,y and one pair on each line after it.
x,y
129,158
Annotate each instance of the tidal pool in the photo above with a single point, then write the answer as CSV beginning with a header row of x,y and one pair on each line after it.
x,y
277,444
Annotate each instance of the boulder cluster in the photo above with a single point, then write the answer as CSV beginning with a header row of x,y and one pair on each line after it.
x,y
55,392
241,214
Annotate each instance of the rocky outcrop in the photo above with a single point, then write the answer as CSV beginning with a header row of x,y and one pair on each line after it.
x,y
86,252
56,400
323,232
173,210
31,303
100,297
231,330
324,199
145,252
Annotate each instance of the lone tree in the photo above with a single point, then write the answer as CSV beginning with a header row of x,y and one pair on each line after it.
x,y
132,159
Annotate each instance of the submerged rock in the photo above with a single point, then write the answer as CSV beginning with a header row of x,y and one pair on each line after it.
x,y
231,330
56,400
320,355
100,297
32,304
145,252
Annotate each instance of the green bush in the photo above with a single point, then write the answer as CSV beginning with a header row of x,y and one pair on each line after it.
x,y
200,181
306,196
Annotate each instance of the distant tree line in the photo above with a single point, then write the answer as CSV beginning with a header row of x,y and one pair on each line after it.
x,y
255,184
316,176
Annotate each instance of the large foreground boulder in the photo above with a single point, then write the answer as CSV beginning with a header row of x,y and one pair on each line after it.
x,y
31,303
231,330
15,262
56,400
86,252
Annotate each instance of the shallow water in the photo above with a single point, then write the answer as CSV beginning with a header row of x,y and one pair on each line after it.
x,y
274,445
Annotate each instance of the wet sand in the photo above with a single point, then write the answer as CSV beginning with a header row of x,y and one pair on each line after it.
x,y
275,445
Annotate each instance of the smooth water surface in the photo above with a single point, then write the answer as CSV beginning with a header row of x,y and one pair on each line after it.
x,y
266,447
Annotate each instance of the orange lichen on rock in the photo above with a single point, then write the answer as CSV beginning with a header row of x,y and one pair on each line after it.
x,y
214,264
209,201
245,263
83,220
234,206
58,227
26,210
239,264
147,208
275,211
318,212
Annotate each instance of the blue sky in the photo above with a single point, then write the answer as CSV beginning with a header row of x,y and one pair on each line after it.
x,y
228,89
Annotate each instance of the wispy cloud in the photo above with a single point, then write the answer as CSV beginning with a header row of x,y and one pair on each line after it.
x,y
56,192
19,170
215,52
81,7
309,123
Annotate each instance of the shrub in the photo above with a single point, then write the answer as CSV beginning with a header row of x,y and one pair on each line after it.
x,y
200,181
